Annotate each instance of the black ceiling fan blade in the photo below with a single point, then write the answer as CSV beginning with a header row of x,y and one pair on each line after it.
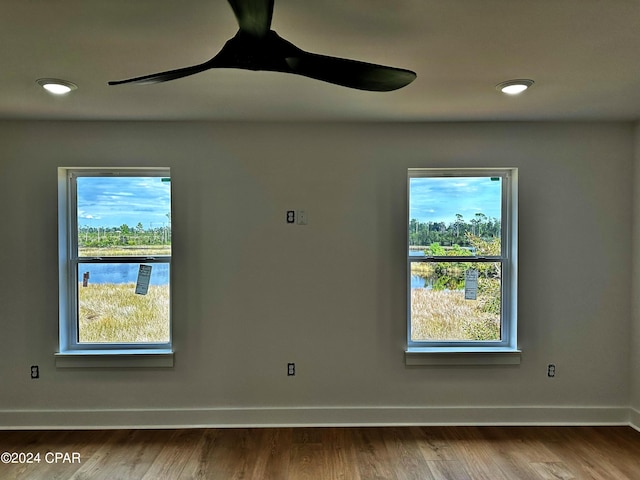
x,y
350,73
254,16
256,47
165,76
243,51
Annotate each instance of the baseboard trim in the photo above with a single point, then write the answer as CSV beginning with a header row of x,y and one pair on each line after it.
x,y
323,417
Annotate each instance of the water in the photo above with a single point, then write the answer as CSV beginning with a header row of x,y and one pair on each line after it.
x,y
416,280
420,282
122,272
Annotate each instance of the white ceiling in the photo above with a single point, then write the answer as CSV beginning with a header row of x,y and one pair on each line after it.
x,y
584,56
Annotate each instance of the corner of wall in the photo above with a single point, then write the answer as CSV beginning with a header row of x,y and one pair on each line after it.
x,y
634,419
634,386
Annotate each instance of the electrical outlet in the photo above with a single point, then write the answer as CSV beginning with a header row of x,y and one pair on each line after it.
x,y
291,216
551,370
35,372
291,369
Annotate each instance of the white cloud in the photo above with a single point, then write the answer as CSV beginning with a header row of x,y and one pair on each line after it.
x,y
87,216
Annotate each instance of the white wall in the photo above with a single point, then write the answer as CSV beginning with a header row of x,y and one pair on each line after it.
x,y
252,293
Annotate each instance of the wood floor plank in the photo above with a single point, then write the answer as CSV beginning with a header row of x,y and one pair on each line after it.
x,y
228,454
372,456
272,461
448,470
512,463
36,448
200,466
307,435
477,452
529,443
175,453
75,444
359,453
516,448
598,458
405,454
433,443
123,454
619,446
553,471
11,440
306,461
144,459
340,455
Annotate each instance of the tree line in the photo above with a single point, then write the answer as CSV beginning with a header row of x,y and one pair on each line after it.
x,y
457,232
123,235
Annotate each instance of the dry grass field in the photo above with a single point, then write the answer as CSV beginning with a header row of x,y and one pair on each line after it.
x,y
446,315
115,313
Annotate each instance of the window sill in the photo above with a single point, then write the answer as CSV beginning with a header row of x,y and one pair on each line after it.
x,y
114,359
461,356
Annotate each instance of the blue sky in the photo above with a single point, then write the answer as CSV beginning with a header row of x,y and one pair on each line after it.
x,y
439,199
114,201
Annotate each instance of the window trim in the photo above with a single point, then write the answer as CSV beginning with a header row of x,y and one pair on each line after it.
x,y
504,351
71,352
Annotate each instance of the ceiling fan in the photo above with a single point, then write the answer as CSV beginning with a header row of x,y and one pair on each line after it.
x,y
257,47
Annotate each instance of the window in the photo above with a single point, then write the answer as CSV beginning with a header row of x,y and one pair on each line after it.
x,y
462,246
115,261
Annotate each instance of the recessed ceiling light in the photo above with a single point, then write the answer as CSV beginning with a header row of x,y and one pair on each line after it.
x,y
514,87
56,86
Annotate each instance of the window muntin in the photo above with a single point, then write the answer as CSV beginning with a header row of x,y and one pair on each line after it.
x,y
461,282
116,260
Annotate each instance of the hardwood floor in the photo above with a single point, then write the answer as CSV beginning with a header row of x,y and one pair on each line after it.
x,y
394,453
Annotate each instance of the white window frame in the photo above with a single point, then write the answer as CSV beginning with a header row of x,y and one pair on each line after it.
x,y
73,353
473,352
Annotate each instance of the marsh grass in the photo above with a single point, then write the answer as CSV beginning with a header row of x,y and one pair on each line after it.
x,y
446,315
114,313
124,251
